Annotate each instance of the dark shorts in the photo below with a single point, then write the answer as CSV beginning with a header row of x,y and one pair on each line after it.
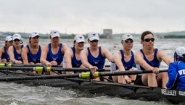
x,y
138,80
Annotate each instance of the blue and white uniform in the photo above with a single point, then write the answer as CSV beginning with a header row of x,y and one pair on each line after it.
x,y
98,61
127,65
75,62
5,55
176,73
17,55
154,63
35,58
58,57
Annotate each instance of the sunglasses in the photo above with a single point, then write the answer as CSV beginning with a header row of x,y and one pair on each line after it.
x,y
81,42
16,40
129,41
149,39
94,41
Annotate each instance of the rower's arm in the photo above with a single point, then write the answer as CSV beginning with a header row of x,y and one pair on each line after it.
x,y
64,48
83,56
11,54
172,75
117,59
1,53
163,56
24,55
67,58
107,54
44,52
139,60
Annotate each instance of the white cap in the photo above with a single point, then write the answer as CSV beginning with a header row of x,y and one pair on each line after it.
x,y
34,34
93,36
54,33
127,36
79,38
8,38
16,36
180,51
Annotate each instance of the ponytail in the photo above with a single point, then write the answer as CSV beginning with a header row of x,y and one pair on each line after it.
x,y
183,58
29,40
74,44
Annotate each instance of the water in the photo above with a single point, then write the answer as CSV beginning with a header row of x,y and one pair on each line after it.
x,y
19,94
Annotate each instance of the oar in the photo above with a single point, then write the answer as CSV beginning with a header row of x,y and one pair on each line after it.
x,y
98,74
29,65
83,75
40,77
46,69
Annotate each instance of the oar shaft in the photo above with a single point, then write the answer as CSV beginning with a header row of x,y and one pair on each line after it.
x,y
83,75
40,77
40,69
44,68
116,73
29,65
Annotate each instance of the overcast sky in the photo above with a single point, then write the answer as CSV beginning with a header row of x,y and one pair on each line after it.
x,y
82,16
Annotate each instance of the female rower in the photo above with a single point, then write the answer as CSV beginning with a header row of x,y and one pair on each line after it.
x,y
94,56
31,53
52,54
176,70
124,60
149,58
15,50
72,56
4,57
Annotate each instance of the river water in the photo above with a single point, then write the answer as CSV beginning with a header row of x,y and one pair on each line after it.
x,y
20,94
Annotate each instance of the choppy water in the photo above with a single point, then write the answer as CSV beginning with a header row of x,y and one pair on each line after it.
x,y
19,94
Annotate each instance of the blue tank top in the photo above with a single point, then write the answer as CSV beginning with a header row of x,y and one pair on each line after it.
x,y
127,65
99,61
5,55
58,57
35,58
75,62
154,63
17,56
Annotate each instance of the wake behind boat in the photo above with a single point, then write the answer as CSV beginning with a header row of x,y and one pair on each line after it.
x,y
97,87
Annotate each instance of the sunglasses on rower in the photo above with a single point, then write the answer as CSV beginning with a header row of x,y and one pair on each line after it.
x,y
149,39
16,40
129,41
94,41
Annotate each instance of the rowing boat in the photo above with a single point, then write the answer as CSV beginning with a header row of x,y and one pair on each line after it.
x,y
107,88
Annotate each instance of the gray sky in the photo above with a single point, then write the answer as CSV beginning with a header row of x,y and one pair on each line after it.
x,y
82,16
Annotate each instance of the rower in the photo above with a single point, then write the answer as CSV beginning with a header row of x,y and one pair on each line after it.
x,y
15,50
31,53
4,57
176,70
124,60
94,56
149,58
52,54
72,56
